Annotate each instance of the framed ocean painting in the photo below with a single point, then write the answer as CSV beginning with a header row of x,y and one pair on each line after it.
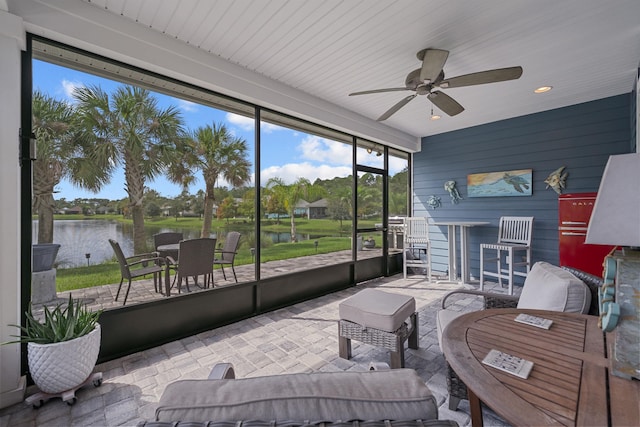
x,y
500,184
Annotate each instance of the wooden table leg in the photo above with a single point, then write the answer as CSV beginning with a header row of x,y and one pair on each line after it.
x,y
476,409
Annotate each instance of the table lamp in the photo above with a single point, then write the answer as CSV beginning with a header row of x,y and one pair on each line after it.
x,y
615,220
616,215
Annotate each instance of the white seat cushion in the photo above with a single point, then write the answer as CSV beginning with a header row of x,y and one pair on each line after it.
x,y
376,309
548,287
443,318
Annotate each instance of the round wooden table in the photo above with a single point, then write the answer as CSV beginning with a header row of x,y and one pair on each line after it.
x,y
569,383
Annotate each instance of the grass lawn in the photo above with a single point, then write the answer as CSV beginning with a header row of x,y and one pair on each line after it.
x,y
103,274
108,273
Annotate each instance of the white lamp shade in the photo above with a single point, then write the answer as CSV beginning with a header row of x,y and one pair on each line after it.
x,y
616,215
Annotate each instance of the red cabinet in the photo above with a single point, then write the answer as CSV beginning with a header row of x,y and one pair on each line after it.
x,y
574,212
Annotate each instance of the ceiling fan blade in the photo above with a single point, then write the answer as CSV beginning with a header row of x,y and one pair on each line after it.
x,y
432,63
482,77
445,103
391,89
396,107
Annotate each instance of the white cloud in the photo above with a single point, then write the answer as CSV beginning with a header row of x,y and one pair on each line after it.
x,y
247,123
291,172
68,88
396,165
320,149
244,123
187,106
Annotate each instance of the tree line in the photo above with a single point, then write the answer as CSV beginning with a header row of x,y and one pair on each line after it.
x,y
88,140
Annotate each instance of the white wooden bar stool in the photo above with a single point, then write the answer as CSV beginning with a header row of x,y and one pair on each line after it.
x,y
514,237
416,243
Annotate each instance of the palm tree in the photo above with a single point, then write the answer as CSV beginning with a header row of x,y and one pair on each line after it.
x,y
59,155
398,199
129,129
340,205
291,194
369,195
217,153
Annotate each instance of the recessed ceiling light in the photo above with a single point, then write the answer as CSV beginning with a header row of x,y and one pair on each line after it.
x,y
543,89
434,116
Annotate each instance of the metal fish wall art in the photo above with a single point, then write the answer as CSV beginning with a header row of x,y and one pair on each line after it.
x,y
557,180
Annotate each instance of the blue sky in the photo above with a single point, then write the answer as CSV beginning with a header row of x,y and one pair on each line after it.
x,y
286,153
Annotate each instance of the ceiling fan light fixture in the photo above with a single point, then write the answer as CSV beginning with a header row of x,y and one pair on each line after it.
x,y
369,150
543,89
434,116
431,75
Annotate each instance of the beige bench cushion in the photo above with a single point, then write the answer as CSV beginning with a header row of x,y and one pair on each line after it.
x,y
398,394
377,309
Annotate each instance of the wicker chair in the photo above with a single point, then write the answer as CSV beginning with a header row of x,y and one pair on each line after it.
x,y
529,298
227,255
167,238
136,266
195,258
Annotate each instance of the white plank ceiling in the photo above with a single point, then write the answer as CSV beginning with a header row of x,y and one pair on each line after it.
x,y
585,49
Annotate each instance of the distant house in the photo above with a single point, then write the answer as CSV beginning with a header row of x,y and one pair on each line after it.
x,y
77,210
104,210
301,208
166,210
317,209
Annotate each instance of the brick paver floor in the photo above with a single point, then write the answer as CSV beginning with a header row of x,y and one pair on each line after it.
x,y
299,338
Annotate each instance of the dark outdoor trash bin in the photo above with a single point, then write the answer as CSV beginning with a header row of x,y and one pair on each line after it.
x,y
44,255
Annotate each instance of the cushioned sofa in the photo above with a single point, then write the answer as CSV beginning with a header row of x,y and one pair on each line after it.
x,y
327,398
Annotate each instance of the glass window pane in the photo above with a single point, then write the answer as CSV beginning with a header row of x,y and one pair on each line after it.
x,y
188,170
370,154
398,197
369,211
305,181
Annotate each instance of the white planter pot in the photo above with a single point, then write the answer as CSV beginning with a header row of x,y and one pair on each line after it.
x,y
64,365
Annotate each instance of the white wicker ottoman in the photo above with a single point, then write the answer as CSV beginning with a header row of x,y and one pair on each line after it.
x,y
378,318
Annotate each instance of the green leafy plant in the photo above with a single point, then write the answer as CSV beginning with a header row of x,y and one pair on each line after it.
x,y
61,323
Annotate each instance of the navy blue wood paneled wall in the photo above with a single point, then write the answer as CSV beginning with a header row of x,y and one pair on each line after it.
x,y
580,137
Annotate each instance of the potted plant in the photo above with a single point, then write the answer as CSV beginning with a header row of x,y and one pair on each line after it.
x,y
369,243
63,348
44,256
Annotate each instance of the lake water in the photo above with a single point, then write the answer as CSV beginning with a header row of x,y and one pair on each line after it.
x,y
80,237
